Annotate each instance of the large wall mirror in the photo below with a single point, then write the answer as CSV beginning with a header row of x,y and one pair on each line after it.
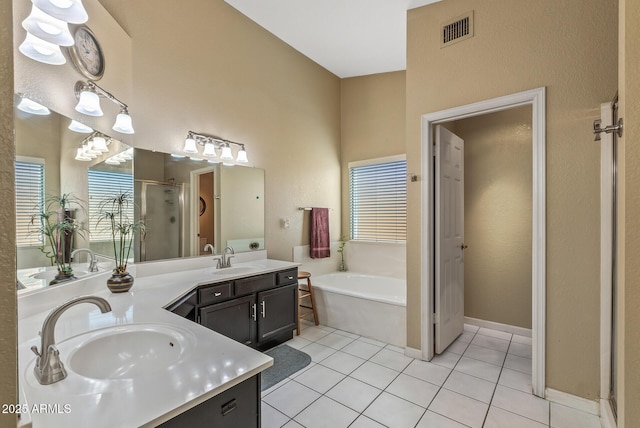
x,y
185,203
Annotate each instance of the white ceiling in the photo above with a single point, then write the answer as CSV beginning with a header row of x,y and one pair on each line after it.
x,y
347,37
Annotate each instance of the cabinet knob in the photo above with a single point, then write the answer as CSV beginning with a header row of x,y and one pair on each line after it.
x,y
289,278
218,294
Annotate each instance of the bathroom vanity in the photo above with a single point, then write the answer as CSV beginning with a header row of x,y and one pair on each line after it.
x,y
259,311
208,378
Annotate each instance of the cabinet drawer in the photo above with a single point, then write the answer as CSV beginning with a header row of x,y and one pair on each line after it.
x,y
255,283
287,277
214,293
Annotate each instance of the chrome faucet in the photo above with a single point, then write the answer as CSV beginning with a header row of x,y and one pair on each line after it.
x,y
210,248
93,262
226,258
49,369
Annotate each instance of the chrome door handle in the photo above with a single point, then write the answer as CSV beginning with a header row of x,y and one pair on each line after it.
x,y
263,304
253,312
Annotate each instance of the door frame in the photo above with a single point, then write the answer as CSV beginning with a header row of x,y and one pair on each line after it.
x,y
536,99
194,193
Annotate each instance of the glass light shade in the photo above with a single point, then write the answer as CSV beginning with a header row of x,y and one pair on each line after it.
x,y
190,146
48,28
226,153
89,104
41,50
112,161
127,154
29,106
100,145
71,11
242,156
209,150
80,127
80,156
86,148
123,124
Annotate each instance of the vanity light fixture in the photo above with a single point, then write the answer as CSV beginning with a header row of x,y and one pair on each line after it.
x,y
123,122
47,28
226,152
100,144
88,95
80,127
41,50
80,156
211,144
71,11
29,106
93,146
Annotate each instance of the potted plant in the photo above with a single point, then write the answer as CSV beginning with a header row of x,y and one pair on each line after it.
x,y
116,214
342,267
55,223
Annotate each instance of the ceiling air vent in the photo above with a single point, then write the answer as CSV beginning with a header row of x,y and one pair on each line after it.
x,y
457,30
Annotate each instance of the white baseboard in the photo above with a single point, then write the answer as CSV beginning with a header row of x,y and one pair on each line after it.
x,y
520,331
606,415
573,401
413,353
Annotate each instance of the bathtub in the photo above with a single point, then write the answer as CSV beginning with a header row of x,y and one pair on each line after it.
x,y
367,305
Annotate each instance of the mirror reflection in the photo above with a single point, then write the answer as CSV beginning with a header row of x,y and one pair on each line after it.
x,y
188,205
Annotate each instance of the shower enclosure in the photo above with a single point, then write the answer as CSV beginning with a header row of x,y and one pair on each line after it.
x,y
161,207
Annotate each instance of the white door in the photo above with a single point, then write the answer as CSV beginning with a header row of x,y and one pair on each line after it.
x,y
449,233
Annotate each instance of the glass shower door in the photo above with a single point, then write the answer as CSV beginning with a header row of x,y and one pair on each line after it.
x,y
161,210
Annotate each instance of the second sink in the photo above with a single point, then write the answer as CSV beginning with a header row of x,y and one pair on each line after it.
x,y
128,351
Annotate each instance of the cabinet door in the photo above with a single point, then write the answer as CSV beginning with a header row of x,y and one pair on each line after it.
x,y
234,319
277,311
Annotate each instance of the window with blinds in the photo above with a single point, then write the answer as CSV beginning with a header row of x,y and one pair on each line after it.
x,y
106,184
29,200
378,200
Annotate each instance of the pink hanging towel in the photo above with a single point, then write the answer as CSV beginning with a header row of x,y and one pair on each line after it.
x,y
319,233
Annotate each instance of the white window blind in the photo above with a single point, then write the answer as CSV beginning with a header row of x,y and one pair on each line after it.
x,y
29,201
106,184
378,200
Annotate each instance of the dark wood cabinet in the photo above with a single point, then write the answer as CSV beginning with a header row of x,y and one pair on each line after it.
x,y
277,312
234,408
233,318
260,310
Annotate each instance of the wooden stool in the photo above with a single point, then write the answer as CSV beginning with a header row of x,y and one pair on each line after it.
x,y
304,293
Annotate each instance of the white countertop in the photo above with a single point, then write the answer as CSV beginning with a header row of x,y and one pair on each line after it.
x,y
211,363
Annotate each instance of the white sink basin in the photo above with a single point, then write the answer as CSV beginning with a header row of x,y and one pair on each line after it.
x,y
49,275
235,270
126,351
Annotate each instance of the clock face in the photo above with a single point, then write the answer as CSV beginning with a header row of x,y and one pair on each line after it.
x,y
87,54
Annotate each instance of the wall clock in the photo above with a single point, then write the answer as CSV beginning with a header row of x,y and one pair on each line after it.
x,y
86,53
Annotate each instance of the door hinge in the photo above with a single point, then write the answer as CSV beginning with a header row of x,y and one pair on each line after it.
x,y
434,151
435,318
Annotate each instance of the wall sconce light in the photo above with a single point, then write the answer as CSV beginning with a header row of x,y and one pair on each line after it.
x,y
41,50
29,106
88,95
211,144
71,11
47,28
76,126
92,146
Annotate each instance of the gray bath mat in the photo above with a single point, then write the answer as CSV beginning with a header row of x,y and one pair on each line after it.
x,y
286,361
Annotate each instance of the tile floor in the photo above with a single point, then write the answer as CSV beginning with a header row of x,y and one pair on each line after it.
x,y
482,380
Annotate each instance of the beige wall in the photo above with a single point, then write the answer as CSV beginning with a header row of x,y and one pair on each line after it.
x,y
497,216
200,65
372,110
519,46
629,218
8,316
